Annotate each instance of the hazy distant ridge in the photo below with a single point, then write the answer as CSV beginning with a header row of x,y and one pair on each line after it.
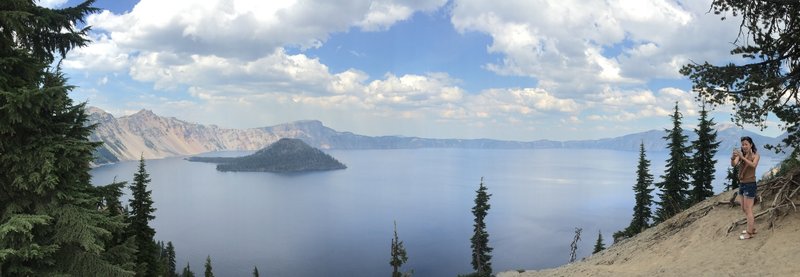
x,y
145,133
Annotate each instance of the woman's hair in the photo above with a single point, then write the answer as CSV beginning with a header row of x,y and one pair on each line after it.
x,y
752,145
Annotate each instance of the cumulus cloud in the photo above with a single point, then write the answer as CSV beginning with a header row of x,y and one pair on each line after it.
x,y
414,90
243,29
512,104
103,54
630,105
592,60
567,45
51,3
277,71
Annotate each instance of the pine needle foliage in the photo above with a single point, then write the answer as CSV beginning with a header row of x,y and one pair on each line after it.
x,y
766,80
141,204
642,189
703,162
50,221
481,252
187,271
599,245
398,252
675,184
732,178
209,270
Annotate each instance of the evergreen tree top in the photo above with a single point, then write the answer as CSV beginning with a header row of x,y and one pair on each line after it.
x,y
599,245
209,270
52,221
42,32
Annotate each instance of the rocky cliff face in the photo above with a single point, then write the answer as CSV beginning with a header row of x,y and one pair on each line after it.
x,y
153,136
145,133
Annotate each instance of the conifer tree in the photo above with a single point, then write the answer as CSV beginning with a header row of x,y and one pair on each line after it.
x,y
187,271
481,252
599,246
170,261
50,223
121,246
642,190
399,256
142,210
209,271
255,271
161,258
764,79
110,198
732,178
675,184
703,161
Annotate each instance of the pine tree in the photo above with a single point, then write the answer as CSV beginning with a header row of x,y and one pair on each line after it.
x,y
171,263
255,271
481,252
703,161
187,271
599,246
121,248
399,256
764,80
161,258
50,223
675,184
209,271
642,190
110,198
142,210
732,178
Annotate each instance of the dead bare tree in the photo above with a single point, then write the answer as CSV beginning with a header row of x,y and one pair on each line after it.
x,y
574,245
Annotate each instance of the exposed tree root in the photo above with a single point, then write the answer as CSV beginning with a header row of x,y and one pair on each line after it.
x,y
783,192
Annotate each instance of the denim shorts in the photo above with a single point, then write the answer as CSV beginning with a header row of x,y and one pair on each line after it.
x,y
748,190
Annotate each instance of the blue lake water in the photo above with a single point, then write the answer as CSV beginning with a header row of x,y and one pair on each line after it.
x,y
339,223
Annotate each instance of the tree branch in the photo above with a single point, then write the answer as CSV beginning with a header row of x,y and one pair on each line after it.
x,y
784,2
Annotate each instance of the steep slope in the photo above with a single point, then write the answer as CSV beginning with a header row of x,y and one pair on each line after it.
x,y
696,242
144,133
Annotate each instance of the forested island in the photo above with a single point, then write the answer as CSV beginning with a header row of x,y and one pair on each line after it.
x,y
284,156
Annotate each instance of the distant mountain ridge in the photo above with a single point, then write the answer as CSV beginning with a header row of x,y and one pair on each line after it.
x,y
151,136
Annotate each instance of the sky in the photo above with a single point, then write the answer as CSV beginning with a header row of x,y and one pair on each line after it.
x,y
512,70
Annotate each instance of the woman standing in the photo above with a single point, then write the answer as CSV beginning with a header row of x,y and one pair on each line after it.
x,y
747,160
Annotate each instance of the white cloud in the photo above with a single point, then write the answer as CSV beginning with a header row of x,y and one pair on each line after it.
x,y
51,3
633,105
243,29
525,102
413,90
617,98
568,46
102,54
278,71
384,13
348,81
591,60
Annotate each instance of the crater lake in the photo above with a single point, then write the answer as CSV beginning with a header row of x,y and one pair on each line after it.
x,y
339,223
